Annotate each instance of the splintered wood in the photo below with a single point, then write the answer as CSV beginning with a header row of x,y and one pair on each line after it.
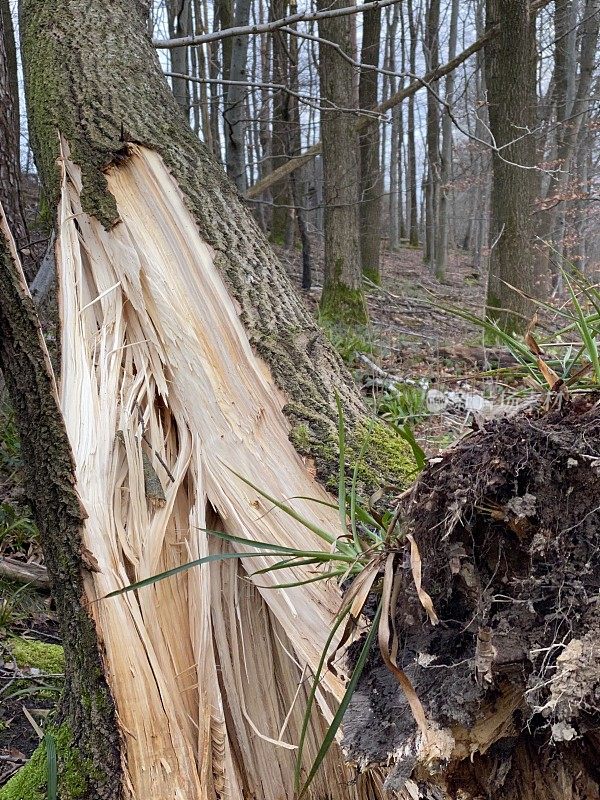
x,y
208,668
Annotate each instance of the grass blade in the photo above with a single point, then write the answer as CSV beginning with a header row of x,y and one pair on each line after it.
x,y
337,720
321,555
321,577
51,766
322,534
313,691
342,463
584,329
181,568
353,506
287,563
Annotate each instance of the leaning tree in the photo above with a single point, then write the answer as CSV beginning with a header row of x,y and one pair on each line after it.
x,y
185,355
192,383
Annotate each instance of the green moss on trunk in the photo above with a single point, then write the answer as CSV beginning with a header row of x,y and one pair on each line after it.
x,y
343,305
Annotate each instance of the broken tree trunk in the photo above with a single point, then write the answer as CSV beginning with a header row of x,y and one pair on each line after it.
x,y
185,355
508,525
49,474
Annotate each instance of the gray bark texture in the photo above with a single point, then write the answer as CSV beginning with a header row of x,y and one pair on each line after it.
x,y
10,168
235,110
179,14
280,141
413,234
510,61
342,299
570,112
443,223
371,179
432,186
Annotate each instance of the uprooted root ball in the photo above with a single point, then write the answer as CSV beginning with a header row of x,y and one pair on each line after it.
x,y
508,526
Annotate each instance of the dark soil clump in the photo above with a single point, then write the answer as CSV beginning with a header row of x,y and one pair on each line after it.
x,y
508,527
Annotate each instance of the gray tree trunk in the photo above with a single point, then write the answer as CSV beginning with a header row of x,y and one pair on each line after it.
x,y
342,299
510,61
412,151
569,117
432,187
441,254
280,142
371,180
179,15
235,107
10,167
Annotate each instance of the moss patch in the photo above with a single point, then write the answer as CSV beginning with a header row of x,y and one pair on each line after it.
x,y
30,782
388,460
341,304
46,657
373,275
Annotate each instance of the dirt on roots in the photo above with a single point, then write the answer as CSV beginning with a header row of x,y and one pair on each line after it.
x,y
508,527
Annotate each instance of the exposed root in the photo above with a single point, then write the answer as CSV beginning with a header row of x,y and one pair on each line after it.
x,y
508,527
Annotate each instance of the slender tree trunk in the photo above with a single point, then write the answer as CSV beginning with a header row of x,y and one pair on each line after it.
x,y
402,229
412,150
181,330
10,167
510,61
481,208
179,15
214,88
235,107
265,210
578,252
201,27
371,180
571,116
342,299
395,154
296,179
280,149
441,255
432,186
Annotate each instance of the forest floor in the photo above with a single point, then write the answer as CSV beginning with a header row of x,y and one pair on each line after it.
x,y
416,361
410,348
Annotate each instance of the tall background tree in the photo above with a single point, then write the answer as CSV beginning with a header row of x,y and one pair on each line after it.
x,y
342,297
10,128
510,63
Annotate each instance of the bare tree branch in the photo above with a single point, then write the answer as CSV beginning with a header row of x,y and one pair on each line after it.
x,y
267,27
290,166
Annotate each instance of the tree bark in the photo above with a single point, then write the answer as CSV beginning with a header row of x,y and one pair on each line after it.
x,y
432,186
87,703
180,328
412,151
395,203
511,87
569,118
342,299
280,140
179,14
10,167
371,180
441,254
235,108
